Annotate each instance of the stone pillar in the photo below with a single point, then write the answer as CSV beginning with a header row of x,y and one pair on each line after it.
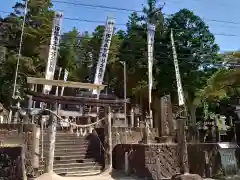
x,y
30,99
170,115
52,139
126,163
132,117
1,118
167,127
182,144
146,137
23,157
237,111
138,121
89,121
35,147
110,137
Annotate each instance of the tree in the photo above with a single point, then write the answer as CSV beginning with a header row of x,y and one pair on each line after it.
x,y
224,83
153,14
38,26
35,44
195,46
134,52
79,52
69,53
10,31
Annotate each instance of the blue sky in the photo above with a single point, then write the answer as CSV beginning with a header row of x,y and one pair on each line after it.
x,y
206,9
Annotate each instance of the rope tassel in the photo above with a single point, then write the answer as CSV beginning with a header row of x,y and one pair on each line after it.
x,y
90,130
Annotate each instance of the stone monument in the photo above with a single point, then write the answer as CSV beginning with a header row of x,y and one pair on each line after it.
x,y
167,125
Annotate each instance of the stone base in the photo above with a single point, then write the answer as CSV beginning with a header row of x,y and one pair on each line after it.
x,y
166,139
187,177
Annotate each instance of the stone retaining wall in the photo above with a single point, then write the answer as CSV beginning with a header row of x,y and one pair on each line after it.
x,y
11,166
22,136
122,135
152,161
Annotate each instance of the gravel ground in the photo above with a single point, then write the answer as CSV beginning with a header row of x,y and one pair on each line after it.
x,y
108,176
104,176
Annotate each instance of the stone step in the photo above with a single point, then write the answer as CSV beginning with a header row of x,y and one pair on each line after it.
x,y
73,160
80,141
63,146
65,151
71,156
71,151
75,165
64,155
74,135
66,142
60,144
70,147
79,170
82,173
74,153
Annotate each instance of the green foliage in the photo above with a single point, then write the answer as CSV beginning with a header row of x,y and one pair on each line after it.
x,y
37,33
195,46
222,84
79,53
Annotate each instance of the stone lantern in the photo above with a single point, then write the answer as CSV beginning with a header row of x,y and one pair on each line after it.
x,y
18,98
237,111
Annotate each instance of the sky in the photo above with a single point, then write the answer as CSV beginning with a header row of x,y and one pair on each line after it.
x,y
211,11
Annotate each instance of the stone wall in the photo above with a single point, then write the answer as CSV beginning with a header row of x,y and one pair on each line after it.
x,y
121,135
152,161
143,160
19,135
11,166
204,159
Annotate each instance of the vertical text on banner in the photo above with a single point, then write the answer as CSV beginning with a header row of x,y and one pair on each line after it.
x,y
53,49
103,56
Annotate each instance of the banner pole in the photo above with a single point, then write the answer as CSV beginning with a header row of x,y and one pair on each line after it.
x,y
150,41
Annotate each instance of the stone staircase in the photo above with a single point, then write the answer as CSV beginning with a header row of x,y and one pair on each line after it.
x,y
75,155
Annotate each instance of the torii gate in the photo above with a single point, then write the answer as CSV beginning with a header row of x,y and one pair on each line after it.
x,y
52,99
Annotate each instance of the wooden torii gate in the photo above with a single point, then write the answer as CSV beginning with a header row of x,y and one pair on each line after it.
x,y
56,100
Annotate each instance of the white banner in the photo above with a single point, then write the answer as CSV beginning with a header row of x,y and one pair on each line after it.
x,y
59,75
102,61
150,39
178,76
53,50
65,76
65,79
